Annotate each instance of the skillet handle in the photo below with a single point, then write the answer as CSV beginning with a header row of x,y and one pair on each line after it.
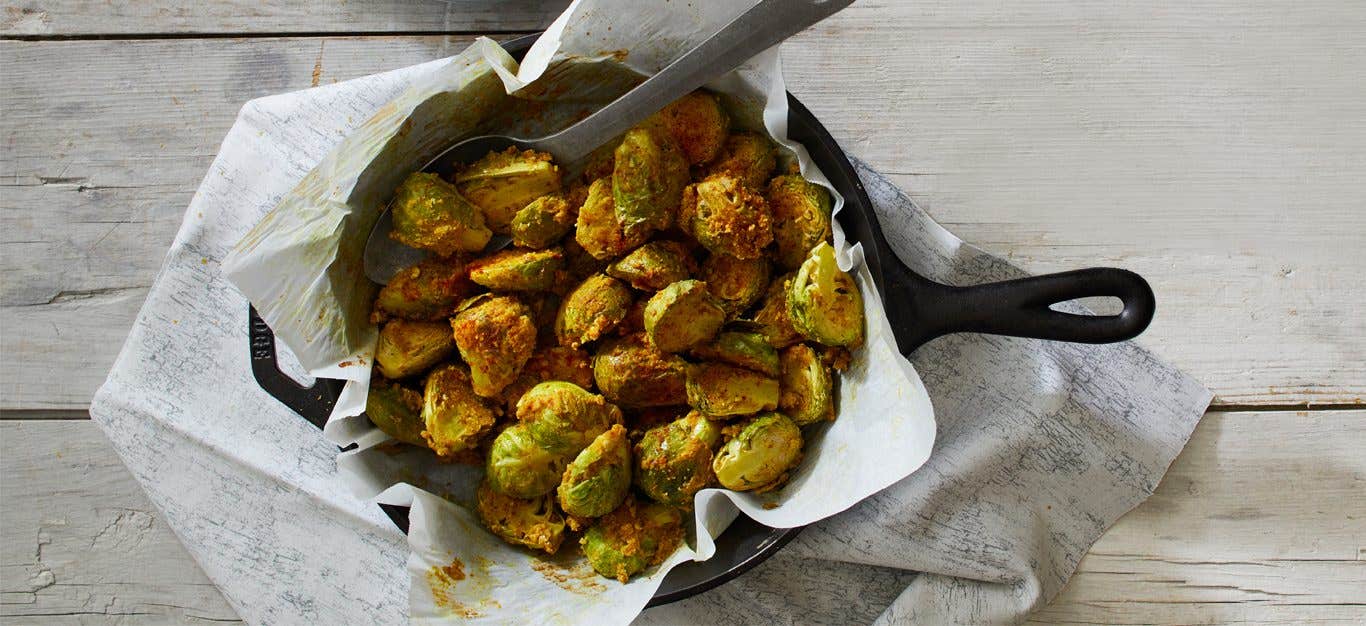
x,y
312,403
924,309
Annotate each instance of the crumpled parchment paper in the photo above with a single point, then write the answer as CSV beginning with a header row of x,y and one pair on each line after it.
x,y
319,307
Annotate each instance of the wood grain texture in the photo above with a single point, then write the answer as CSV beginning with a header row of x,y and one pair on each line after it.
x,y
1258,521
81,543
1218,157
160,17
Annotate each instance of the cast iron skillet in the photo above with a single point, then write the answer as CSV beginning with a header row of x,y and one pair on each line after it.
x,y
918,308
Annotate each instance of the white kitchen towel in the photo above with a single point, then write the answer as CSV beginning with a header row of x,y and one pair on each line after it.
x,y
1020,483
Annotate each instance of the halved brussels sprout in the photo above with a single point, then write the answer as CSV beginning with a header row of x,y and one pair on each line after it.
x,y
544,221
726,217
599,230
720,390
633,373
801,217
631,538
496,336
682,315
759,457
591,309
807,388
429,290
747,156
553,363
647,179
429,214
518,270
409,347
654,265
532,523
824,302
738,283
673,461
745,349
599,478
699,125
454,416
520,467
502,183
396,410
772,316
563,418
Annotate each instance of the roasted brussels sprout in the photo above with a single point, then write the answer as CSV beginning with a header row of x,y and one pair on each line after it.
x,y
738,283
519,467
553,363
496,336
682,315
720,390
824,302
631,538
591,309
563,418
599,478
772,316
429,214
599,230
544,221
673,461
647,179
631,372
654,265
759,457
745,349
518,270
503,183
396,410
454,416
429,290
747,156
801,217
532,523
408,347
698,124
726,217
807,389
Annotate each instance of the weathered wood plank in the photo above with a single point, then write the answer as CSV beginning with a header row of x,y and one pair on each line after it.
x,y
149,17
81,543
1213,147
95,177
83,17
1258,521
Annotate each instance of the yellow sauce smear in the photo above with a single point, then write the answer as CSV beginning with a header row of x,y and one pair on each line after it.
x,y
580,580
441,579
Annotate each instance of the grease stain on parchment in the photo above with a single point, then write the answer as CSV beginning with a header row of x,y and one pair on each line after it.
x,y
442,579
578,578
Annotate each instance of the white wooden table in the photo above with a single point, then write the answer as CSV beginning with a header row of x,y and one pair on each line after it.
x,y
1218,147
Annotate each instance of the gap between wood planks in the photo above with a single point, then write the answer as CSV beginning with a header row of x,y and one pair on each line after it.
x,y
293,35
